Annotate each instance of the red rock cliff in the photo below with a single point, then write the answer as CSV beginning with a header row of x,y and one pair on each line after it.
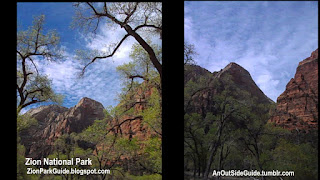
x,y
297,106
54,121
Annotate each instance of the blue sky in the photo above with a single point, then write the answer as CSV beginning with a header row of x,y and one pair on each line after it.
x,y
58,17
268,38
101,82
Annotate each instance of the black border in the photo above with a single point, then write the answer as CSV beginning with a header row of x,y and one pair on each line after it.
x,y
172,90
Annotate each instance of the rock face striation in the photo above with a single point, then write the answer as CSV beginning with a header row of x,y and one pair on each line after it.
x,y
54,121
132,125
297,106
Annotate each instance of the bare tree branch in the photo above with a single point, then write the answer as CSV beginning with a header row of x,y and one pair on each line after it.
x,y
107,56
147,25
131,13
33,64
124,121
131,32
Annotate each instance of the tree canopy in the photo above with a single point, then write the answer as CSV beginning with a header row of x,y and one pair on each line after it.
x,y
134,17
33,44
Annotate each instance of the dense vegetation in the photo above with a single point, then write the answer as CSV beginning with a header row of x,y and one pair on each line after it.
x,y
231,132
126,156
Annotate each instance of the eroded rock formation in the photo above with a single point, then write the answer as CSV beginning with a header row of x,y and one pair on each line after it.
x,y
54,121
297,106
201,101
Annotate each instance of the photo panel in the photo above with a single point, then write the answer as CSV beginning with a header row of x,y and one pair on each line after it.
x,y
250,90
89,90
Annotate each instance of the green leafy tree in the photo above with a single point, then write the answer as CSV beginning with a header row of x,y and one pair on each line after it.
x,y
65,148
142,90
32,87
140,99
104,145
23,122
32,44
110,147
300,158
21,167
139,70
194,141
226,107
252,121
136,18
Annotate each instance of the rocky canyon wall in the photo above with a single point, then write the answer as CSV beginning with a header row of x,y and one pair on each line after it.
x,y
297,106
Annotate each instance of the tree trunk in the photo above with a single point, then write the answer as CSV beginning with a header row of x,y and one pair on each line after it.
x,y
214,148
146,47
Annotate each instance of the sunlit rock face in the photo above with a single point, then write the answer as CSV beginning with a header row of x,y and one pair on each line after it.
x,y
297,106
54,121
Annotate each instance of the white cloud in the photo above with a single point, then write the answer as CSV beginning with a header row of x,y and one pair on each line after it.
x,y
267,39
105,41
100,82
268,84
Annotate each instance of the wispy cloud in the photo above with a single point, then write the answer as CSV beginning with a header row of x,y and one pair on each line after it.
x,y
267,38
101,81
105,40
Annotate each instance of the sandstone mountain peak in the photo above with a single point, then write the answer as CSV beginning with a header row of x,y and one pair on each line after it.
x,y
89,103
233,65
239,77
54,121
235,69
86,99
242,78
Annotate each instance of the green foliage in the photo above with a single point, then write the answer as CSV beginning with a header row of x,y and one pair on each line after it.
x,y
25,121
300,158
33,44
21,167
40,86
140,68
141,58
127,146
193,87
65,148
96,132
233,131
152,157
35,41
139,76
142,87
107,146
152,114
